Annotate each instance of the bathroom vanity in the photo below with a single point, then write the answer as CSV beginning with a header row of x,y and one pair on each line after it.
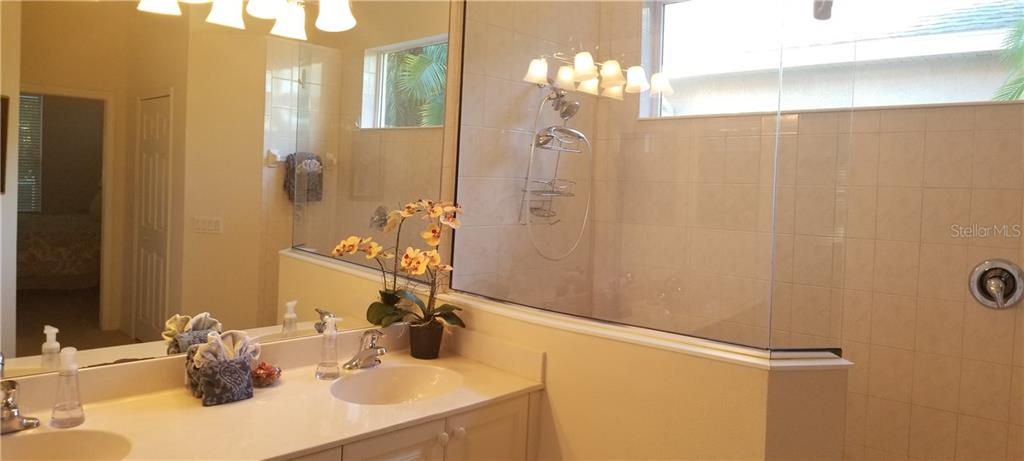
x,y
453,408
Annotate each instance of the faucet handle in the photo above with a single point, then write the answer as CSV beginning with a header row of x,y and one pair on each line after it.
x,y
370,338
10,391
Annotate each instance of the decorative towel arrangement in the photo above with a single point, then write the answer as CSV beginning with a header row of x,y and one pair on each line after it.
x,y
304,177
220,370
182,331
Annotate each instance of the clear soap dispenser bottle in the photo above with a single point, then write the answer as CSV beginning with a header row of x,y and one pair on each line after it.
x,y
328,368
290,319
67,408
51,349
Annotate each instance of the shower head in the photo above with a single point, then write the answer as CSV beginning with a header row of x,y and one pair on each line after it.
x,y
822,9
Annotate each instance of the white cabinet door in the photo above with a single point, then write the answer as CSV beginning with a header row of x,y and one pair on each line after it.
x,y
493,433
333,454
418,443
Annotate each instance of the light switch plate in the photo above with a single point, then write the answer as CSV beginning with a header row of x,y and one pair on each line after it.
x,y
207,225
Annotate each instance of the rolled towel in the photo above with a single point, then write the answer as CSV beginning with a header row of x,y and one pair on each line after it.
x,y
225,346
182,331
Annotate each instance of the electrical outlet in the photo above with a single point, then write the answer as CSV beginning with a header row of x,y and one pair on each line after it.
x,y
207,225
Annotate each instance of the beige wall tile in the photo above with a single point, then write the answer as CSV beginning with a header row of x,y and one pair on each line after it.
x,y
892,320
861,211
997,159
856,418
1015,443
816,159
888,425
932,433
860,355
812,260
980,439
985,389
902,120
995,212
942,273
899,213
936,381
947,158
1017,396
950,118
891,375
939,326
861,155
896,267
901,159
815,210
942,208
988,333
998,117
859,264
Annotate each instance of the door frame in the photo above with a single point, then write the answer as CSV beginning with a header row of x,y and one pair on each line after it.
x,y
155,93
112,270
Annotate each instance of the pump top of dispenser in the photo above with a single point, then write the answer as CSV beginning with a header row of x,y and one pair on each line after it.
x,y
290,308
51,345
329,326
68,364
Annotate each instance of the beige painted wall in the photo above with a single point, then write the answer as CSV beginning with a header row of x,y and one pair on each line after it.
x,y
10,78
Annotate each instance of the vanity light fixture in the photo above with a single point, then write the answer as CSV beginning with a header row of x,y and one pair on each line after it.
x,y
660,84
583,66
636,80
604,79
291,22
265,9
566,78
335,16
589,86
537,72
195,2
160,7
227,13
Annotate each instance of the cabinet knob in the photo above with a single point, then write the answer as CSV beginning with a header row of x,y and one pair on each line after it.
x,y
443,438
460,432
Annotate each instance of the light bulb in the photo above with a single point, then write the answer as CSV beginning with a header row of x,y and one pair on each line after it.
x,y
613,92
583,66
636,80
660,84
265,9
611,74
335,16
537,72
160,7
291,22
226,13
565,79
588,86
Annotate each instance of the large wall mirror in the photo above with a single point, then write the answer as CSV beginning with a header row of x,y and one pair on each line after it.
x,y
165,161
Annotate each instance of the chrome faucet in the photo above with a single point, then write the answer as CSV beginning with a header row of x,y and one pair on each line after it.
x,y
369,353
12,421
324,315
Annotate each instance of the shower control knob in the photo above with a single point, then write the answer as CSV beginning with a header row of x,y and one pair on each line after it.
x,y
997,283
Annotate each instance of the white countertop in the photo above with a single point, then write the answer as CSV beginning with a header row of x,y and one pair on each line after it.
x,y
297,416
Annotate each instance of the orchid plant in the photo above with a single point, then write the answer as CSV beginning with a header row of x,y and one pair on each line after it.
x,y
414,263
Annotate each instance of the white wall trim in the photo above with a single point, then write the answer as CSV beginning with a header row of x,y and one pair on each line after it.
x,y
748,356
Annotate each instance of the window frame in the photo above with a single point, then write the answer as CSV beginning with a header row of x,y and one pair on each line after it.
x,y
373,117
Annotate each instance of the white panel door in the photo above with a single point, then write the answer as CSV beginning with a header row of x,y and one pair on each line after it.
x,y
493,433
418,443
152,177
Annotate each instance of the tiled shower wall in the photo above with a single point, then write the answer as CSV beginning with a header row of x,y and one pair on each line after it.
x,y
863,254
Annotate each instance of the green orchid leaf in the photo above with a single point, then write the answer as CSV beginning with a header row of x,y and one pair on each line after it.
x,y
452,318
446,308
390,319
377,311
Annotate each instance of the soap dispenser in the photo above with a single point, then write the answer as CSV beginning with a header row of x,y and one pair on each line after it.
x,y
328,368
51,348
67,407
290,319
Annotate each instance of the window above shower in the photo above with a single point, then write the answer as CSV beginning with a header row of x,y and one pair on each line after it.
x,y
777,55
404,84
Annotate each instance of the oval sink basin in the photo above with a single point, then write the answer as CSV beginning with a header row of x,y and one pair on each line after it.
x,y
64,445
395,384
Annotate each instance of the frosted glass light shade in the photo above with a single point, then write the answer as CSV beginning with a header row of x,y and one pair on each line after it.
x,y
583,66
160,7
335,16
566,78
226,13
613,92
611,74
291,22
660,84
636,80
195,2
537,72
265,9
588,86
